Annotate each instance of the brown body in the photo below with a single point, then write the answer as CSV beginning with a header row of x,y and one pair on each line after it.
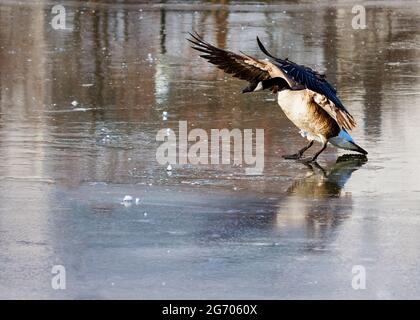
x,y
307,115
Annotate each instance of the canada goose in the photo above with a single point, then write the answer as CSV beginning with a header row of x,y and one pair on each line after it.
x,y
303,94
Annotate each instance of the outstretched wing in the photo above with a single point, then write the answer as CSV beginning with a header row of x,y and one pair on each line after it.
x,y
241,66
324,93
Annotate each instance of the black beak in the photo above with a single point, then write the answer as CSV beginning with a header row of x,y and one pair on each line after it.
x,y
250,87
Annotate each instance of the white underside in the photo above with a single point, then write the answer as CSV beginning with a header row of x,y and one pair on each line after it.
x,y
310,136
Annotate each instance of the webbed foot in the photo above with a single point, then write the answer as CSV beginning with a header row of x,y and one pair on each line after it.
x,y
295,156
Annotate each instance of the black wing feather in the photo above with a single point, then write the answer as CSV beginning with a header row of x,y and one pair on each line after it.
x,y
228,61
306,76
315,82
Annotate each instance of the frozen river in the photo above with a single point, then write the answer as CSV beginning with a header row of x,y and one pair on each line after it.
x,y
79,112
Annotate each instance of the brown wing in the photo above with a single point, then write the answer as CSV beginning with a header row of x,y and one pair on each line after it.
x,y
240,66
343,118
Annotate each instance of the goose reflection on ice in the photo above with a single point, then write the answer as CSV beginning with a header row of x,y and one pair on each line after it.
x,y
322,183
316,204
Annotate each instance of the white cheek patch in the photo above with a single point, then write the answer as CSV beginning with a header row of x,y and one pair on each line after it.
x,y
259,87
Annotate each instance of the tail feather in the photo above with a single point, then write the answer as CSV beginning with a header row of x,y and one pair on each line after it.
x,y
359,149
345,141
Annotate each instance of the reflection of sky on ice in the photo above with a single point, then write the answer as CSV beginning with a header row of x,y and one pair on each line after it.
x,y
294,231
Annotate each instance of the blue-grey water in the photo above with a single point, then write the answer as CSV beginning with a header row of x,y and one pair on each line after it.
x,y
79,113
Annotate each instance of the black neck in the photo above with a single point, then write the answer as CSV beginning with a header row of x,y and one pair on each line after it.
x,y
278,82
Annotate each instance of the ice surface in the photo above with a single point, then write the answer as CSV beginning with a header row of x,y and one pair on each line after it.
x,y
203,231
